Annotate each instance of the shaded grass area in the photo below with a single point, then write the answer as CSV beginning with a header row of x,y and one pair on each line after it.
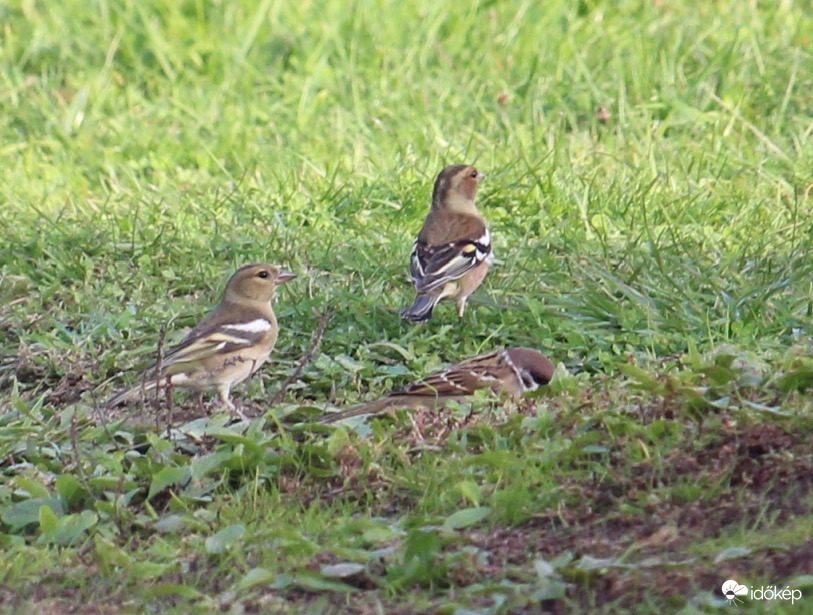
x,y
599,494
649,191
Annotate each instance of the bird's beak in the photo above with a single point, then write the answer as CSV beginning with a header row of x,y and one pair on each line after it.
x,y
285,276
481,177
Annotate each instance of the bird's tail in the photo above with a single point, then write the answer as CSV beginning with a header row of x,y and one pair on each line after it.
x,y
422,308
135,392
373,407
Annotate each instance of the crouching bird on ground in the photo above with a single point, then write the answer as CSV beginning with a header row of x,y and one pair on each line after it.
x,y
228,345
453,251
514,370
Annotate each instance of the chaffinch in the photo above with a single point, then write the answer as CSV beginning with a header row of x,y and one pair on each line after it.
x,y
228,345
453,251
514,370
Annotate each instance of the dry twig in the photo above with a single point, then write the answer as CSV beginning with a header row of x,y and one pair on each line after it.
x,y
321,325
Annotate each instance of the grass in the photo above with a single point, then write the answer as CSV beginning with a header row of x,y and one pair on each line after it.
x,y
649,191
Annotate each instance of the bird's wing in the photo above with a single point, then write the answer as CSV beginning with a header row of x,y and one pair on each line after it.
x,y
448,246
455,383
461,379
216,339
432,266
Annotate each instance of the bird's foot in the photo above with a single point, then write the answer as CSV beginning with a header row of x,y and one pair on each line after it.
x,y
239,413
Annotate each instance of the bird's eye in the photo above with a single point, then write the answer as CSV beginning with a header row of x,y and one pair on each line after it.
x,y
473,173
263,274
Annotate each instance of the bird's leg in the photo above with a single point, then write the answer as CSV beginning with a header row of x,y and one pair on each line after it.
x,y
199,399
223,391
254,371
452,290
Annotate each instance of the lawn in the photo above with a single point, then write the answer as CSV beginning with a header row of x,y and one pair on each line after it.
x,y
650,195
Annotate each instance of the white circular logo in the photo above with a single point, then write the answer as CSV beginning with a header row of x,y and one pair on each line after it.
x,y
732,589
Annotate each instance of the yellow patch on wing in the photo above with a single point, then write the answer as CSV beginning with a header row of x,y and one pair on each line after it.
x,y
219,336
204,347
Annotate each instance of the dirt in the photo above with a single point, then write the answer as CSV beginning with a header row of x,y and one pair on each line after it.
x,y
70,388
764,473
763,463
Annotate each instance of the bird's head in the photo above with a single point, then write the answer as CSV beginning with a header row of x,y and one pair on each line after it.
x,y
532,367
455,182
256,282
